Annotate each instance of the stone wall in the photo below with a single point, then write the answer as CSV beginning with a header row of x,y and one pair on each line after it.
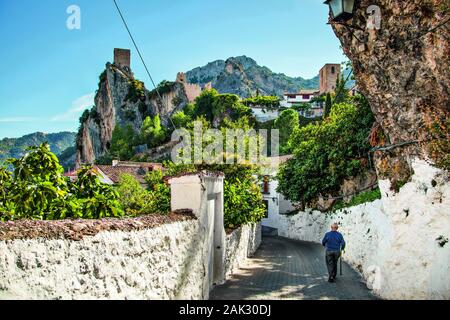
x,y
165,262
241,244
158,263
393,241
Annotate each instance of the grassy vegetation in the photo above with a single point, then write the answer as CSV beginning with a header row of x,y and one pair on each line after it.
x,y
363,197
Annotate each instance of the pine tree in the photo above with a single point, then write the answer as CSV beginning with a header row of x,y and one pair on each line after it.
x,y
328,106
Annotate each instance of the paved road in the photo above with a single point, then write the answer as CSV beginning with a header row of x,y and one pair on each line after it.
x,y
289,269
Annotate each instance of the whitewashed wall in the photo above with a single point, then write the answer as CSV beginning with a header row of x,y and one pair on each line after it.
x,y
179,260
240,245
160,263
392,241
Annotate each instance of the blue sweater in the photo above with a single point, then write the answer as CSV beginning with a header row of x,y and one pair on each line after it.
x,y
333,241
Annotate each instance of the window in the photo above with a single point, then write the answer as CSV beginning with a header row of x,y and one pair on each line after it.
x,y
306,96
266,185
266,204
333,70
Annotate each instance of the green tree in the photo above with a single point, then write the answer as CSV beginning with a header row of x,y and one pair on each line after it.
x,y
38,189
122,142
133,197
152,133
328,152
328,106
287,123
180,119
98,200
204,104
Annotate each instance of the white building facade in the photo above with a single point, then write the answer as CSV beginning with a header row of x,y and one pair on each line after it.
x,y
275,203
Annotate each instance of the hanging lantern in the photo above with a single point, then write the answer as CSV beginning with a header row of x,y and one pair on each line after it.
x,y
342,10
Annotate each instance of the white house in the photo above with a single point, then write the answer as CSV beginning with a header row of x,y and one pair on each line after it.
x,y
276,204
301,98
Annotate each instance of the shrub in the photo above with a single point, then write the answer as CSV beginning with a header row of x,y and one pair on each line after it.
x,y
38,190
98,200
268,102
243,203
133,197
136,91
363,197
327,152
287,123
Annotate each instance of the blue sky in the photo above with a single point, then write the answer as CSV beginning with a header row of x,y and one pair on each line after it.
x,y
49,73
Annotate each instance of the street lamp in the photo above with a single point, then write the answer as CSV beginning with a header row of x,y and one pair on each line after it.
x,y
342,10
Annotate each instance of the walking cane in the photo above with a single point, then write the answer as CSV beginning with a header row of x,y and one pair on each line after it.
x,y
340,261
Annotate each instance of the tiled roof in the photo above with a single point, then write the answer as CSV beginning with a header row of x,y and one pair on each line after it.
x,y
114,172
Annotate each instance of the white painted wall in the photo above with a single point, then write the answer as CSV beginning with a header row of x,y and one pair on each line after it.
x,y
175,261
159,263
392,241
241,244
277,205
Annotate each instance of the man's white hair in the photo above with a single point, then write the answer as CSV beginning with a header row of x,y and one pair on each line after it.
x,y
335,226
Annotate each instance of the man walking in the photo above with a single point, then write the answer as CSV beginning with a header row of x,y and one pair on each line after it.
x,y
334,243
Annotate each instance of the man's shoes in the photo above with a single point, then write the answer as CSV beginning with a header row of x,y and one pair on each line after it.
x,y
330,280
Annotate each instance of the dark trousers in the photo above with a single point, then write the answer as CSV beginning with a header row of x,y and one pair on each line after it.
x,y
332,258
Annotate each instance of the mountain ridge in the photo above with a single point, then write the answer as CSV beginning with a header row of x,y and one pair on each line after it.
x,y
59,142
243,76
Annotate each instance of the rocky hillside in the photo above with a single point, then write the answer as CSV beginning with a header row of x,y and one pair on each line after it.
x,y
123,100
15,147
244,77
402,69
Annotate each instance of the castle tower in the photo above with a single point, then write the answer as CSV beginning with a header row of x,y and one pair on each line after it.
x,y
181,77
329,75
122,58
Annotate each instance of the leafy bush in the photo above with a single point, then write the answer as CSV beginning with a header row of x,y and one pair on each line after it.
x,y
136,91
98,200
133,197
38,190
327,152
287,123
268,102
243,203
363,197
180,119
122,142
159,191
243,200
152,133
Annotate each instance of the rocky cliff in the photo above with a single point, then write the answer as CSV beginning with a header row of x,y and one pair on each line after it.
x,y
402,69
244,77
123,100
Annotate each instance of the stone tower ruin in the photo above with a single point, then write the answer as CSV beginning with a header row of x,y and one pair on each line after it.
x,y
329,75
122,58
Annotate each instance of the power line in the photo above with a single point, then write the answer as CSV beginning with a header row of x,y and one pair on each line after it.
x,y
140,56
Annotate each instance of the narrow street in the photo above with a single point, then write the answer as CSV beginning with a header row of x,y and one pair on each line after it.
x,y
289,269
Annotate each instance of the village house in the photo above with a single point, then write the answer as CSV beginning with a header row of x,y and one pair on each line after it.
x,y
275,203
303,100
110,174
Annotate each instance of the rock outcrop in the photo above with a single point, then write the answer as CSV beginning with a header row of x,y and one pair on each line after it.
x,y
402,69
123,100
244,77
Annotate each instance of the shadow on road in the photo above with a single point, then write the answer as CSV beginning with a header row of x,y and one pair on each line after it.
x,y
289,269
